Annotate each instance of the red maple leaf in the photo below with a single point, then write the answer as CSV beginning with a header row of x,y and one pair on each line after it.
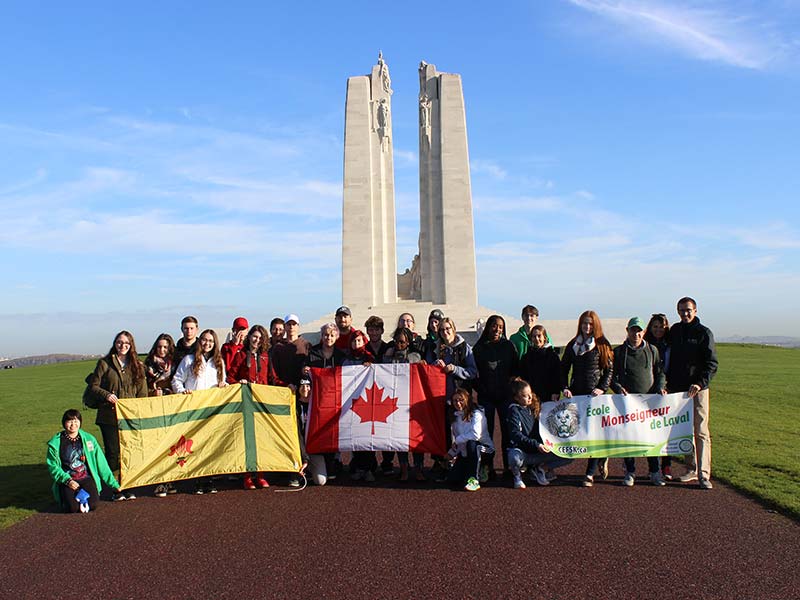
x,y
182,448
372,406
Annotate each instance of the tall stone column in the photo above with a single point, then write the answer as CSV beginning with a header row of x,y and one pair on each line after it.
x,y
447,239
369,255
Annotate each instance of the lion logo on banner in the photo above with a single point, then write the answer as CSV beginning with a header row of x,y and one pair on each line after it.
x,y
563,420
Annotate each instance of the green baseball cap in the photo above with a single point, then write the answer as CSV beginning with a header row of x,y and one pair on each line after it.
x,y
636,322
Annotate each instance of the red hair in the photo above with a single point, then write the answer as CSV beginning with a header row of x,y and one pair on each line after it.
x,y
606,352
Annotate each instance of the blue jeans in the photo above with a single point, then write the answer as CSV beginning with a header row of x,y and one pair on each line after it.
x,y
518,457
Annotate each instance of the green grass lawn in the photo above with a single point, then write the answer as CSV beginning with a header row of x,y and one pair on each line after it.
x,y
753,422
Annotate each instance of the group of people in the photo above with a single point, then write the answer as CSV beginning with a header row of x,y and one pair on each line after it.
x,y
502,378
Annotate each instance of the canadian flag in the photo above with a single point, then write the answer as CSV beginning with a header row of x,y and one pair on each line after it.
x,y
380,407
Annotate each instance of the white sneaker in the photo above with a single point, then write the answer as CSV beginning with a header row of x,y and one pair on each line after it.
x,y
519,484
706,484
688,477
655,479
541,477
629,479
588,481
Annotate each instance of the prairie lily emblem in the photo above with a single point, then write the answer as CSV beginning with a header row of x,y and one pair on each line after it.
x,y
183,448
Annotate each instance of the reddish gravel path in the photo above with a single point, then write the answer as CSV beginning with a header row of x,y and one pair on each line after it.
x,y
392,540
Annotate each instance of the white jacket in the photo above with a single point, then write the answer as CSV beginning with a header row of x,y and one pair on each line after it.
x,y
474,429
185,378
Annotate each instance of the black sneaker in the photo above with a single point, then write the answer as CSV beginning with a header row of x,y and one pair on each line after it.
x,y
210,489
171,489
118,497
198,489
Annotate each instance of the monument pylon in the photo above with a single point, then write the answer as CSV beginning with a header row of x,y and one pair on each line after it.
x,y
369,254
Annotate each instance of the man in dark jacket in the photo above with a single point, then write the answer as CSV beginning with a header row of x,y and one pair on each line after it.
x,y
693,362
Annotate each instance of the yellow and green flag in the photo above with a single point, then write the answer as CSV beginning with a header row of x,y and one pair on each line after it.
x,y
235,429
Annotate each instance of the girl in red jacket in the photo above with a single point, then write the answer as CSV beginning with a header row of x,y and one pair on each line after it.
x,y
251,365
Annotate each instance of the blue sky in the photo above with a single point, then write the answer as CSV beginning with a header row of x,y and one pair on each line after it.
x,y
160,159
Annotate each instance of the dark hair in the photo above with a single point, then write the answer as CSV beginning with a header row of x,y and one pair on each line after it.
x,y
276,321
687,299
487,329
413,320
601,343
263,347
72,413
404,331
188,319
541,328
133,357
656,318
374,321
216,357
529,308
170,348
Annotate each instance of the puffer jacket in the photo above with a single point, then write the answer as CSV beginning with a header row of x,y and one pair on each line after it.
x,y
586,371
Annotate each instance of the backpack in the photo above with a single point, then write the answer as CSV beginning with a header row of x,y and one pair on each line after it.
x,y
89,399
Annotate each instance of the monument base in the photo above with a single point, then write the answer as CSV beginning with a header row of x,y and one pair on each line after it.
x,y
466,319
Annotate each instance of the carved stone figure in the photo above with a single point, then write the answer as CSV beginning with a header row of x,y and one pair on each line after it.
x,y
416,278
425,119
386,80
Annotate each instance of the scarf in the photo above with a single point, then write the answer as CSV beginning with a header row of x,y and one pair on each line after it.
x,y
583,345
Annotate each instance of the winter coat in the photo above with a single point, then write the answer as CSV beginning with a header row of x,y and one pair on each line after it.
x,y
523,428
186,380
250,367
473,430
459,354
110,378
586,371
693,356
497,363
541,368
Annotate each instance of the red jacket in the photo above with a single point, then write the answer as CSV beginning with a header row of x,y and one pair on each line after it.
x,y
251,367
228,351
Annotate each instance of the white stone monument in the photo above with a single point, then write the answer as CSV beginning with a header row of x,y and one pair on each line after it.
x,y
443,274
369,255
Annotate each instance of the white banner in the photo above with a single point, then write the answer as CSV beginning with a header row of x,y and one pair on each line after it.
x,y
616,425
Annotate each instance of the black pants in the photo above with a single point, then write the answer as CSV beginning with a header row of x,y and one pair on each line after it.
x,y
469,465
68,501
111,445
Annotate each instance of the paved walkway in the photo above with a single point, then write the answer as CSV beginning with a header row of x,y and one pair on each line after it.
x,y
393,540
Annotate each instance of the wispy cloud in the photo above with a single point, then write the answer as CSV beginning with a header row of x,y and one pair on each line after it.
x,y
488,167
709,30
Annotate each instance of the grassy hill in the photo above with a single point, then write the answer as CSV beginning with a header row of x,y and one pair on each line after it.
x,y
754,411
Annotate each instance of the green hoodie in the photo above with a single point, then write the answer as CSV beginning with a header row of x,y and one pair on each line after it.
x,y
95,461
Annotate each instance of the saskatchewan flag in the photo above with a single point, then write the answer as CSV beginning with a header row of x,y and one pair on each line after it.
x,y
235,429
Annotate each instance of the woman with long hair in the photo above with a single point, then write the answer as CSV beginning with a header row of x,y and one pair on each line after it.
x,y
202,370
119,374
251,365
590,357
159,366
